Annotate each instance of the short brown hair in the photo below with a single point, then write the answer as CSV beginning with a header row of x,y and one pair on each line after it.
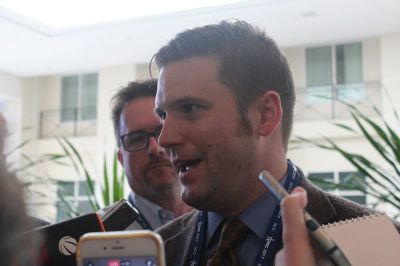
x,y
250,63
134,90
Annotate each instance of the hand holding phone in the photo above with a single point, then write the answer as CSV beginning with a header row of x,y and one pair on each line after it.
x,y
124,248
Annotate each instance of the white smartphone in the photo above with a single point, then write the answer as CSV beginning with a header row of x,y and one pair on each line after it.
x,y
123,248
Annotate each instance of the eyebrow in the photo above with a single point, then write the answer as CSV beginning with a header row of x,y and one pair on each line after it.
x,y
183,100
144,131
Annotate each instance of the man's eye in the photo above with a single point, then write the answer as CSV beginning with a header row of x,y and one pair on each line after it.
x,y
189,108
137,139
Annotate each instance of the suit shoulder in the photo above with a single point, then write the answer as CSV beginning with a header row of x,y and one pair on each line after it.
x,y
177,236
328,208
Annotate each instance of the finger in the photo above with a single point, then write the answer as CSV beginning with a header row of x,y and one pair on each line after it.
x,y
297,249
293,216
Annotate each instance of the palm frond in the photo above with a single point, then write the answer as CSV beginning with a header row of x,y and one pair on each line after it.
x,y
382,180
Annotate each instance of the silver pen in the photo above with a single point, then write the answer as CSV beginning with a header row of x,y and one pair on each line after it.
x,y
321,239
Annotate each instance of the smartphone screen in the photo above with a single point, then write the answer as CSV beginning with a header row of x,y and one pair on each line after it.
x,y
126,261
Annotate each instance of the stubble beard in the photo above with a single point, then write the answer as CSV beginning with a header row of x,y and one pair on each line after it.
x,y
167,189
227,195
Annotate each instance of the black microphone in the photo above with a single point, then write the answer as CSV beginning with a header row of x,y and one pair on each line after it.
x,y
60,239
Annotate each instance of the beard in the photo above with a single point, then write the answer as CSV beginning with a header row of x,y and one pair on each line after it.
x,y
162,181
229,177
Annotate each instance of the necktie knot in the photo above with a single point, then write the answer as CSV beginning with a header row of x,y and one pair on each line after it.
x,y
232,232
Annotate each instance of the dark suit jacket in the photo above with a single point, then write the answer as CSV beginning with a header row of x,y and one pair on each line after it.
x,y
324,207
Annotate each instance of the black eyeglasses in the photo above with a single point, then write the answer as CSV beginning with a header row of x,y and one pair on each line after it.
x,y
138,140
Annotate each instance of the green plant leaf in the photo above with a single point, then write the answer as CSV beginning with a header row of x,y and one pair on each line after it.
x,y
80,167
106,184
381,182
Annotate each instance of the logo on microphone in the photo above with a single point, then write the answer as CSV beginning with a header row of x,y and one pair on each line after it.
x,y
67,245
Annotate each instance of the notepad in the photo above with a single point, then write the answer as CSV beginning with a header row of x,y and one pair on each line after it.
x,y
368,240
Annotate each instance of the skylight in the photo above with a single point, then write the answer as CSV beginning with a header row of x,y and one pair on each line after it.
x,y
61,14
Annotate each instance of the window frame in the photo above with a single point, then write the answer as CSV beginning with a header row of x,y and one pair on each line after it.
x,y
336,179
75,199
323,94
77,111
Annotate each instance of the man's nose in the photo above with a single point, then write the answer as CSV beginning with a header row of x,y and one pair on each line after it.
x,y
170,136
154,148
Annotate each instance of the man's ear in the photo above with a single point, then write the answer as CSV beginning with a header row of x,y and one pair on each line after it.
x,y
270,112
119,156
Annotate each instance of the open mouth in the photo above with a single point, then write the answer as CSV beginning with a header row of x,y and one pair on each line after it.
x,y
185,166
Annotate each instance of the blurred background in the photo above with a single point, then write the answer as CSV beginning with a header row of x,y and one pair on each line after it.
x,y
61,62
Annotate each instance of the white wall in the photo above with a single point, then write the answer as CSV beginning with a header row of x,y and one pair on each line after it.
x,y
390,71
297,62
10,107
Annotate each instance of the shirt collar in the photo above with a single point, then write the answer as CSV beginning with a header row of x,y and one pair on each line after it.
x,y
256,217
153,213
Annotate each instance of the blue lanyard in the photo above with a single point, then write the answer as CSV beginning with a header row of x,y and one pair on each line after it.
x,y
273,235
198,239
140,219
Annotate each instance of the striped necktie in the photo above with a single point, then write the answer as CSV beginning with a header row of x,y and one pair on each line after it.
x,y
232,232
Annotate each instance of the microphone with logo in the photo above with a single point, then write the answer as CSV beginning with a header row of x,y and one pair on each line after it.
x,y
60,239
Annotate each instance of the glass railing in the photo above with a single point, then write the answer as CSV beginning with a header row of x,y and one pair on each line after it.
x,y
322,102
68,122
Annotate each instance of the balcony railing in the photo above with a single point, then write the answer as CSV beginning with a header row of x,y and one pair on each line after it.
x,y
326,102
68,122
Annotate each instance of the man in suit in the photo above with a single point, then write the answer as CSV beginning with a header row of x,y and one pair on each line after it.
x,y
153,180
226,98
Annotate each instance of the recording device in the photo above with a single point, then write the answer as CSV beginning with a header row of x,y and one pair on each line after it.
x,y
129,248
60,239
118,216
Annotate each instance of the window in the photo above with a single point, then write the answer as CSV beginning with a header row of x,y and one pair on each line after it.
x,y
334,72
79,97
324,177
340,178
72,196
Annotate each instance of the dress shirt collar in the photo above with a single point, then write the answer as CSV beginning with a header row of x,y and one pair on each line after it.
x,y
154,214
256,217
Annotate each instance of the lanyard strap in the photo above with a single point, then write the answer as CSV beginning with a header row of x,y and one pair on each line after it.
x,y
273,235
198,239
140,219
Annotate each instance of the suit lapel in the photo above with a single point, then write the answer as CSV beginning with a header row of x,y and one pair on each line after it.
x,y
180,242
319,205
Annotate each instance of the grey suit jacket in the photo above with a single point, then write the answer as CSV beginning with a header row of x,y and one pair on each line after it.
x,y
324,207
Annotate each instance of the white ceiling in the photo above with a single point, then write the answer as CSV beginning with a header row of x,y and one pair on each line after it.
x,y
28,48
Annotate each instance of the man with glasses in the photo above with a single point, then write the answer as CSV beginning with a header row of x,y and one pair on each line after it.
x,y
153,180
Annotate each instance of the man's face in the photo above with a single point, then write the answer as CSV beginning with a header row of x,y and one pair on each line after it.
x,y
202,134
149,171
